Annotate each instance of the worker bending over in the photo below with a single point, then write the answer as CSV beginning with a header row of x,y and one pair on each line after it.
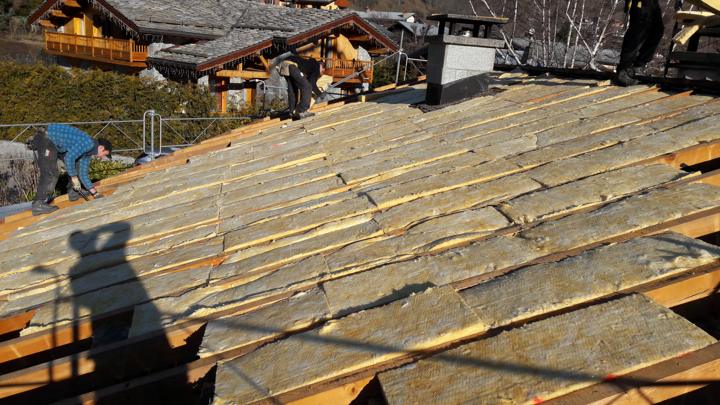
x,y
641,39
76,148
302,75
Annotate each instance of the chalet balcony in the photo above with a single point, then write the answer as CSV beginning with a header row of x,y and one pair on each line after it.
x,y
124,52
340,69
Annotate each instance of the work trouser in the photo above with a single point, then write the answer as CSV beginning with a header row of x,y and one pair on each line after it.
x,y
644,35
47,156
298,83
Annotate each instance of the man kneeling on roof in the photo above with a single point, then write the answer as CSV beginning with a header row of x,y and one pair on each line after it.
x,y
302,75
76,148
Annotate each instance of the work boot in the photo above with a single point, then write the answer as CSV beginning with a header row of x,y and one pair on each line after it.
x,y
73,195
303,115
625,77
42,208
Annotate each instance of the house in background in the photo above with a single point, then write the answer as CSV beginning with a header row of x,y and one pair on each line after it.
x,y
227,44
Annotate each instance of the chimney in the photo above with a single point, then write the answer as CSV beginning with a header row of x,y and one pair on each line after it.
x,y
459,58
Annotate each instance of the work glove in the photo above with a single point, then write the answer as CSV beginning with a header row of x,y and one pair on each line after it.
x,y
75,183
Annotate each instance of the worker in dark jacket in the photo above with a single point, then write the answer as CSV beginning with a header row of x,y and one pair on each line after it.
x,y
77,149
641,39
301,75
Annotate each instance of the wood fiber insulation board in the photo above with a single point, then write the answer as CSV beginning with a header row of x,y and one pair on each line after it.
x,y
591,190
281,198
417,154
587,143
526,108
61,286
404,215
121,207
117,297
231,221
552,128
632,214
583,98
446,181
274,181
535,290
397,280
204,302
275,258
549,358
115,218
59,247
338,228
635,150
420,239
622,118
468,121
276,161
353,343
431,169
393,281
296,313
298,223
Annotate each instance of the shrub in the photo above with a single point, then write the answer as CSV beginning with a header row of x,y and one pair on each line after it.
x,y
38,93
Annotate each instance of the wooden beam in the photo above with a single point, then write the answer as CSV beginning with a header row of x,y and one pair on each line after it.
x,y
690,156
653,384
343,395
688,287
264,62
15,323
85,363
59,14
71,4
243,74
46,24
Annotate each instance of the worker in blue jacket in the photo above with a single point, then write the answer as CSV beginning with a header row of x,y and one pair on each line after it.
x,y
76,148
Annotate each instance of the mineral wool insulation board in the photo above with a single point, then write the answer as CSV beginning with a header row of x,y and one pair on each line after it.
x,y
549,358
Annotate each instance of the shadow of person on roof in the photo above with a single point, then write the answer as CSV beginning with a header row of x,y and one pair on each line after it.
x,y
105,291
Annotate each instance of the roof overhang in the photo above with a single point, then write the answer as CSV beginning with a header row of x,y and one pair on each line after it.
x,y
53,4
350,19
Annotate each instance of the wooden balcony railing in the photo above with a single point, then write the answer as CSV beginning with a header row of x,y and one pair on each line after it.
x,y
116,51
340,69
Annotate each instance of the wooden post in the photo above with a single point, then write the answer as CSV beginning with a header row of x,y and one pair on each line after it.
x,y
130,50
92,46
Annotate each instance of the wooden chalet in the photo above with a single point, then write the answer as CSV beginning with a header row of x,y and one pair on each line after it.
x,y
186,40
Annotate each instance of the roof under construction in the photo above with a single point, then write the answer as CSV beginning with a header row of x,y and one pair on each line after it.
x,y
529,245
